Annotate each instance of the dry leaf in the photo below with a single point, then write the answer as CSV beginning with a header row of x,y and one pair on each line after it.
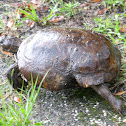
x,y
24,3
120,93
10,24
123,28
6,53
31,24
93,1
26,21
16,5
18,14
58,19
116,42
35,6
45,8
103,11
84,4
35,2
16,99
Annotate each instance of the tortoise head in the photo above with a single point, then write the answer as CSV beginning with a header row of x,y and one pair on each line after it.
x,y
9,43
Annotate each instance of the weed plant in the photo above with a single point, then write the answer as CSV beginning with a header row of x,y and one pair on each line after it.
x,y
30,14
111,28
19,114
115,3
69,9
57,8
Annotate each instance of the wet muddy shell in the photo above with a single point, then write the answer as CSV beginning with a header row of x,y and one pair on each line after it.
x,y
72,56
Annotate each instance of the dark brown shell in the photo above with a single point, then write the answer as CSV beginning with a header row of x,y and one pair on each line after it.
x,y
72,56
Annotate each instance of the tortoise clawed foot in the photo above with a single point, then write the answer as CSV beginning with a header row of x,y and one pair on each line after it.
x,y
104,91
14,77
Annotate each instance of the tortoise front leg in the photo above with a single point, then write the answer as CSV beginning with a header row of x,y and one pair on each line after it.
x,y
104,91
14,77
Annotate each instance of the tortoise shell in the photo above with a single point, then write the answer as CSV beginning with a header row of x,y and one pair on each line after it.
x,y
71,55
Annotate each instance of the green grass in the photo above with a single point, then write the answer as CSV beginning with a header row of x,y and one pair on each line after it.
x,y
115,3
111,28
19,114
29,14
56,8
52,12
69,9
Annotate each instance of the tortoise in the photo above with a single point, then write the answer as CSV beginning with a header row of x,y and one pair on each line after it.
x,y
73,57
